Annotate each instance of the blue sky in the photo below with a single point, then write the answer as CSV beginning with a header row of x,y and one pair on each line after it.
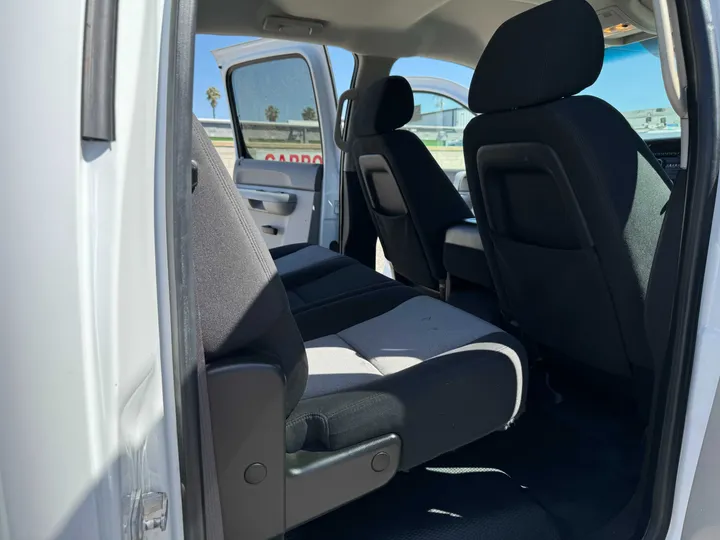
x,y
631,78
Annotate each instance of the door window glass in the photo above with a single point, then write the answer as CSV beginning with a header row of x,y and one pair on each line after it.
x,y
276,110
438,121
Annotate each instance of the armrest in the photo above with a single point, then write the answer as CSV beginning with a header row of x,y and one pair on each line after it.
x,y
464,254
465,235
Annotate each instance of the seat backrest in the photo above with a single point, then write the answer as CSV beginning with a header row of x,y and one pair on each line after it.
x,y
243,308
411,199
568,198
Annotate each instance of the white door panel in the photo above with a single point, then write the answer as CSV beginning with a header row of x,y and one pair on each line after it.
x,y
281,200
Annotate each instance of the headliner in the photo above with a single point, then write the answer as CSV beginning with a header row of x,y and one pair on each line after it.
x,y
454,30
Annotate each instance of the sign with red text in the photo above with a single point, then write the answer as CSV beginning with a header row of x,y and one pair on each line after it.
x,y
289,156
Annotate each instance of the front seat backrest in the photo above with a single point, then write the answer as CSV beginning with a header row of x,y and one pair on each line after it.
x,y
411,199
242,304
568,198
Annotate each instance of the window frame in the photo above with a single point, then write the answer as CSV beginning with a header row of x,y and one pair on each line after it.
x,y
408,126
234,117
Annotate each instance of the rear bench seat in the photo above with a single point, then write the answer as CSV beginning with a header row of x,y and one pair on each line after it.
x,y
312,274
362,357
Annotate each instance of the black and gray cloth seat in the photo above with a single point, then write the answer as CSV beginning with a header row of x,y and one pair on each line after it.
x,y
568,198
411,200
312,274
383,360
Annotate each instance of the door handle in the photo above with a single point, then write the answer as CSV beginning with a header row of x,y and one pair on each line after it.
x,y
272,202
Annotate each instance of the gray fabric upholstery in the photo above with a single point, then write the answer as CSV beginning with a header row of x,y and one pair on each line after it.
x,y
549,52
334,365
414,331
242,303
436,405
417,330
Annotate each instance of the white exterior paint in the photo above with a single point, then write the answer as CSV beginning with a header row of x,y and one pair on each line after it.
x,y
84,417
703,385
703,398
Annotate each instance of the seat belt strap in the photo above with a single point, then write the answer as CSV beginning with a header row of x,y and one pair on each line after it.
x,y
660,296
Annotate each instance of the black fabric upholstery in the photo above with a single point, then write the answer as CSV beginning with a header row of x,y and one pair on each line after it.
x,y
549,52
282,251
328,280
241,300
325,318
468,264
580,292
464,256
436,406
471,502
385,105
412,236
660,298
440,404
331,280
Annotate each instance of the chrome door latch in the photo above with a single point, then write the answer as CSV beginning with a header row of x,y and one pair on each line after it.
x,y
148,512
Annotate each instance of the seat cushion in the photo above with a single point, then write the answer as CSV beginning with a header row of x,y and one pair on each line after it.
x,y
437,376
313,275
297,257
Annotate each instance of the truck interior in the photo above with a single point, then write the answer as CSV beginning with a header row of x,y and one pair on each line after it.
x,y
510,380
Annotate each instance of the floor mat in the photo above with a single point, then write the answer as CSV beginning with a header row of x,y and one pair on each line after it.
x,y
579,459
563,471
435,504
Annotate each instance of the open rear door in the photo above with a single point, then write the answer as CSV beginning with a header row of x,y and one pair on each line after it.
x,y
283,106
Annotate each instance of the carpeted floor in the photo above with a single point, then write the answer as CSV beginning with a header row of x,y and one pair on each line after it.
x,y
563,471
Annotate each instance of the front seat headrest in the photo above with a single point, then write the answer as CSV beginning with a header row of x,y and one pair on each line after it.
x,y
384,106
549,52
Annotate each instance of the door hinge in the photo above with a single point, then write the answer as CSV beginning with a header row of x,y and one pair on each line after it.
x,y
148,511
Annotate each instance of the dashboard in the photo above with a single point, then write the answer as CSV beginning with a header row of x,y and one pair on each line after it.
x,y
667,152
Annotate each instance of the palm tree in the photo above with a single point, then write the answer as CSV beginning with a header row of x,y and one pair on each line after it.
x,y
308,113
272,113
213,95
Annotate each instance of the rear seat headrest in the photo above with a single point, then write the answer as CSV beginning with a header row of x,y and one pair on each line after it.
x,y
551,51
385,105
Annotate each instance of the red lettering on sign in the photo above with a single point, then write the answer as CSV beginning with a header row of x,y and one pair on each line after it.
x,y
294,158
